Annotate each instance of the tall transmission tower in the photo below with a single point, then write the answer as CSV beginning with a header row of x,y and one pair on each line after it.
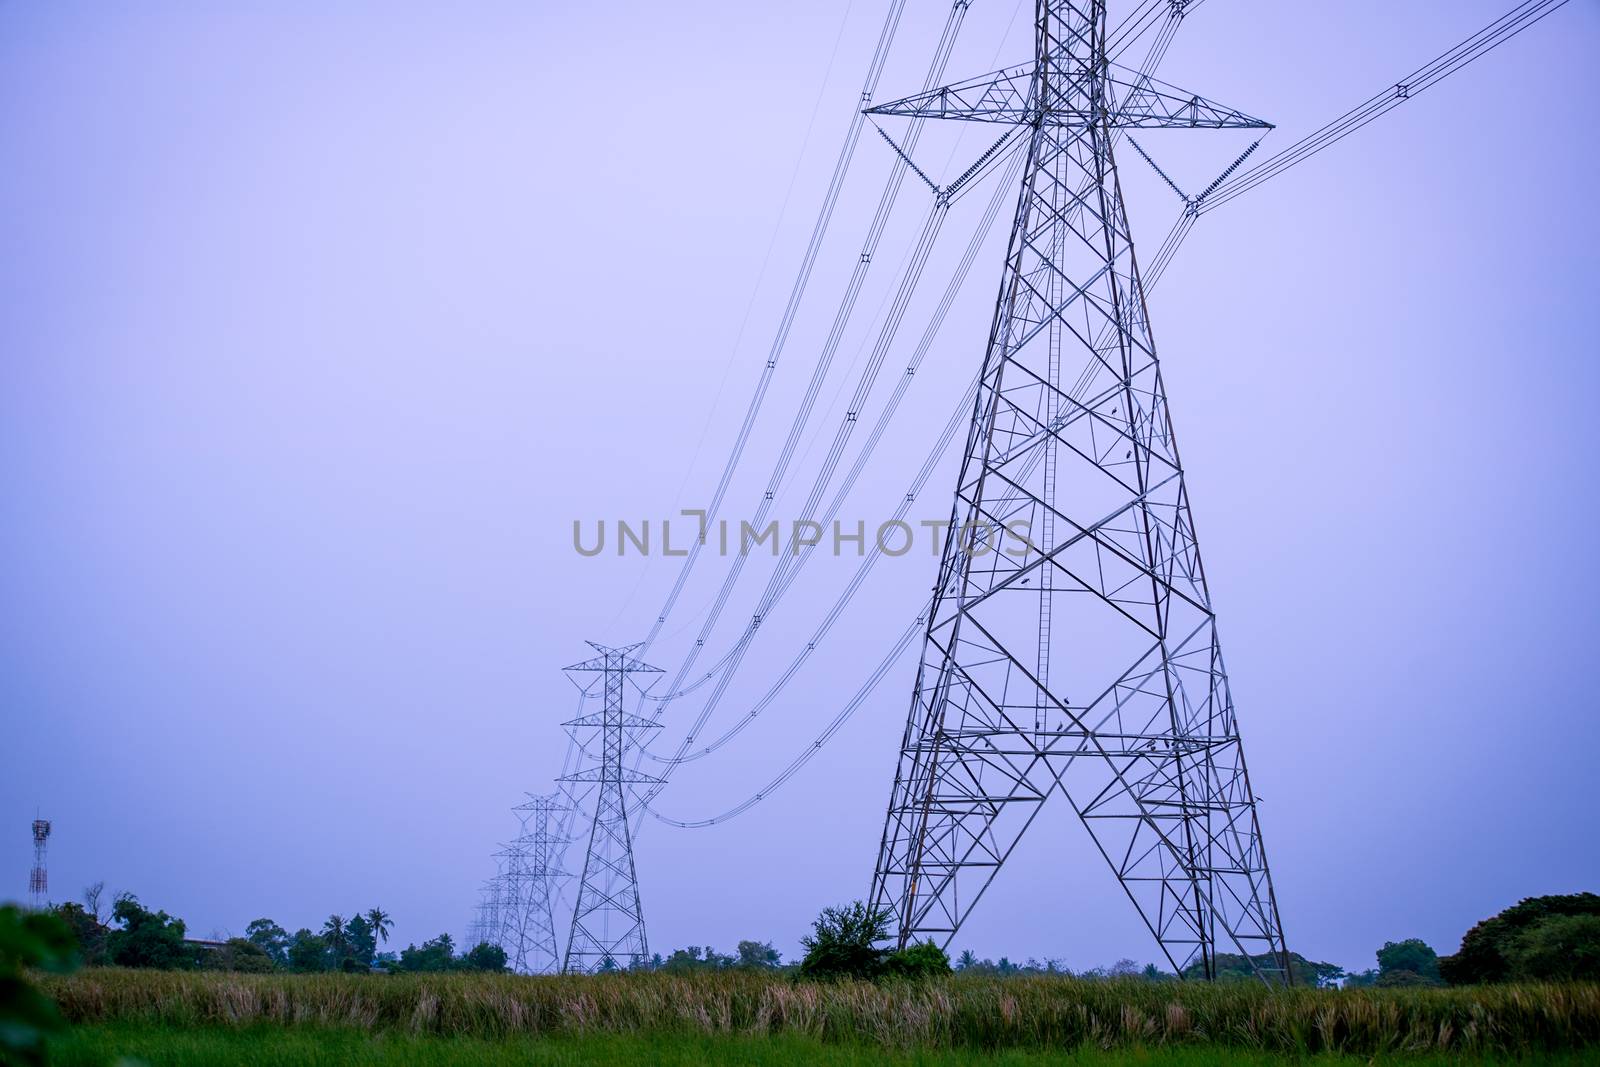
x,y
608,922
39,875
1080,658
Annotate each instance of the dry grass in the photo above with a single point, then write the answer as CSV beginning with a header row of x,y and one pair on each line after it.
x,y
1019,1013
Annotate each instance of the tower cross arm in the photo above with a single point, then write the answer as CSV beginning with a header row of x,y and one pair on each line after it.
x,y
1003,96
1144,103
616,718
1113,96
614,659
601,774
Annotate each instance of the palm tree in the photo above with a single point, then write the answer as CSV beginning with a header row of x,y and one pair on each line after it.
x,y
380,921
338,942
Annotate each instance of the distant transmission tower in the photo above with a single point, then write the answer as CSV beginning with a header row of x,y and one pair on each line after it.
x,y
1080,658
531,873
608,922
485,925
39,876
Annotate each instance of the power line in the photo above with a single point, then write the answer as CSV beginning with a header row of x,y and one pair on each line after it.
x,y
1474,47
796,295
730,662
1452,60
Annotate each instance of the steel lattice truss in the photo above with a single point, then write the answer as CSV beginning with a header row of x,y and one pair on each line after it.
x,y
1132,100
485,926
608,922
1080,656
516,907
531,874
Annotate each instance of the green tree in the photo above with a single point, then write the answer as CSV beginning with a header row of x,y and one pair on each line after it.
x,y
307,953
1558,948
757,955
270,938
40,941
843,943
363,942
439,954
1485,952
967,960
923,960
381,923
337,938
484,957
695,958
1408,962
684,960
146,938
87,932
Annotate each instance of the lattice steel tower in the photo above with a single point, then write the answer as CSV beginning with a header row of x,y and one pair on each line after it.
x,y
531,873
486,927
39,874
608,922
1071,647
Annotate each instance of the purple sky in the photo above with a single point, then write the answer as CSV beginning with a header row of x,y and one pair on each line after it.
x,y
322,325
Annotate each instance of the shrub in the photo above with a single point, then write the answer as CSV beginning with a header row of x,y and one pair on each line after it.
x,y
27,1016
843,943
924,960
239,954
1401,978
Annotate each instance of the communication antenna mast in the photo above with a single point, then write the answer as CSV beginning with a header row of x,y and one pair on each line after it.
x,y
39,877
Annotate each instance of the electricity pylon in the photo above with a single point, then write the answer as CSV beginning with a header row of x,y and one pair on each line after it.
x,y
608,922
532,871
485,925
1071,647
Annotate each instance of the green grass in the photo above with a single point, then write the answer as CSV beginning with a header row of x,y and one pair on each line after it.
x,y
956,1016
258,1046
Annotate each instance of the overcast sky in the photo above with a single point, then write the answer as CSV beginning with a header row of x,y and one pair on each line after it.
x,y
323,325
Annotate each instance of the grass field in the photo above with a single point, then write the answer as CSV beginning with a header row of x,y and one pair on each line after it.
x,y
733,1018
258,1046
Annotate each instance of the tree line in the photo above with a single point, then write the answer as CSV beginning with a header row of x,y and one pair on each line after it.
x,y
1549,938
1540,939
133,935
